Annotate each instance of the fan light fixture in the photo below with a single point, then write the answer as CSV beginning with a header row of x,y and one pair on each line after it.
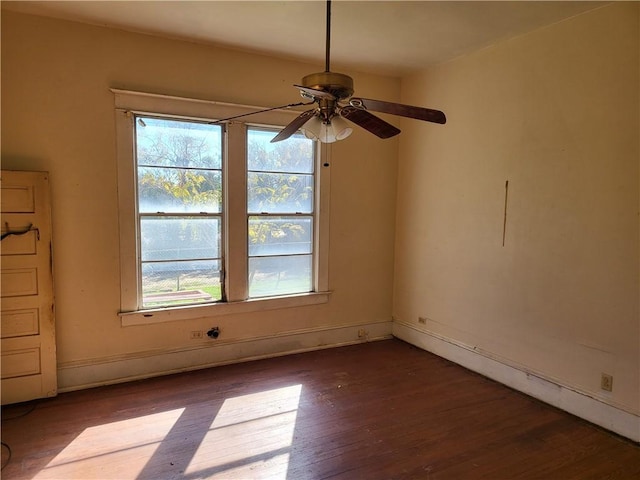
x,y
336,129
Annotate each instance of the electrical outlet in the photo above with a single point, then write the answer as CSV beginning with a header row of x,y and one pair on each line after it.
x,y
606,382
196,335
362,333
422,320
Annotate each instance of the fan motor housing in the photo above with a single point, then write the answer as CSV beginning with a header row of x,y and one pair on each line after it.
x,y
337,84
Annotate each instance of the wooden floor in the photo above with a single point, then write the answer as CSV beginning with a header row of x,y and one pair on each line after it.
x,y
379,410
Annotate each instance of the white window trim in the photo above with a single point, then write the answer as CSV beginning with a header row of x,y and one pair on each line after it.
x,y
128,103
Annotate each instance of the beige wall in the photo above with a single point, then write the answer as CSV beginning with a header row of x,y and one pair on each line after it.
x,y
58,116
556,113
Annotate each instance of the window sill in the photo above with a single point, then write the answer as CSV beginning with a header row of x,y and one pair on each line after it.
x,y
191,312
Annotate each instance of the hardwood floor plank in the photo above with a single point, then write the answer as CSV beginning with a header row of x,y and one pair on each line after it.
x,y
370,411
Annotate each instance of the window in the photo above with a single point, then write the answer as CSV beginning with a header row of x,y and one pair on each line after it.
x,y
179,200
214,218
280,204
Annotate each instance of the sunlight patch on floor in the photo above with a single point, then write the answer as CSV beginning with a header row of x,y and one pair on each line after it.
x,y
113,449
251,436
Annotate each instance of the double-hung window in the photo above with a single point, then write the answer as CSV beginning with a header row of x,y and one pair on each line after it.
x,y
214,218
179,200
280,207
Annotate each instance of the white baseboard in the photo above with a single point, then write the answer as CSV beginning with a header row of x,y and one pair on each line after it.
x,y
95,372
561,396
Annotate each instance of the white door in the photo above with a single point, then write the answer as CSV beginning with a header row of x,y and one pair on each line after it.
x,y
28,329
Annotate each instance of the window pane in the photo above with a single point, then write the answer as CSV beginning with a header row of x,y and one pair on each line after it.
x,y
180,283
280,181
179,238
280,235
279,275
279,193
179,190
296,154
178,143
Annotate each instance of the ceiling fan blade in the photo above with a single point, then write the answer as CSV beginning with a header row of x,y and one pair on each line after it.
x,y
369,122
314,93
419,113
293,127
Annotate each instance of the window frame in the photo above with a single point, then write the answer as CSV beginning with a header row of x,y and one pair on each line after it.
x,y
127,105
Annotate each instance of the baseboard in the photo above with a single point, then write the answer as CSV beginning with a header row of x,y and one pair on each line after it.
x,y
564,397
95,372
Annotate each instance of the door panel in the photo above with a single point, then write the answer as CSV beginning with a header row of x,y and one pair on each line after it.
x,y
20,323
20,245
20,363
17,282
18,198
28,328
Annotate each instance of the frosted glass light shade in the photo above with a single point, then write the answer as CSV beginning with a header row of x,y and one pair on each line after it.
x,y
338,129
313,128
341,128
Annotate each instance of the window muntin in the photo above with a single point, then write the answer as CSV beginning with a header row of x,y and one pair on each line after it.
x,y
280,208
179,200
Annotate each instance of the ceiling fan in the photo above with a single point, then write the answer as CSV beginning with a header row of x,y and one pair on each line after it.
x,y
332,92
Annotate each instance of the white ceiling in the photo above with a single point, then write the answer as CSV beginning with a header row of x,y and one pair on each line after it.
x,y
386,37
